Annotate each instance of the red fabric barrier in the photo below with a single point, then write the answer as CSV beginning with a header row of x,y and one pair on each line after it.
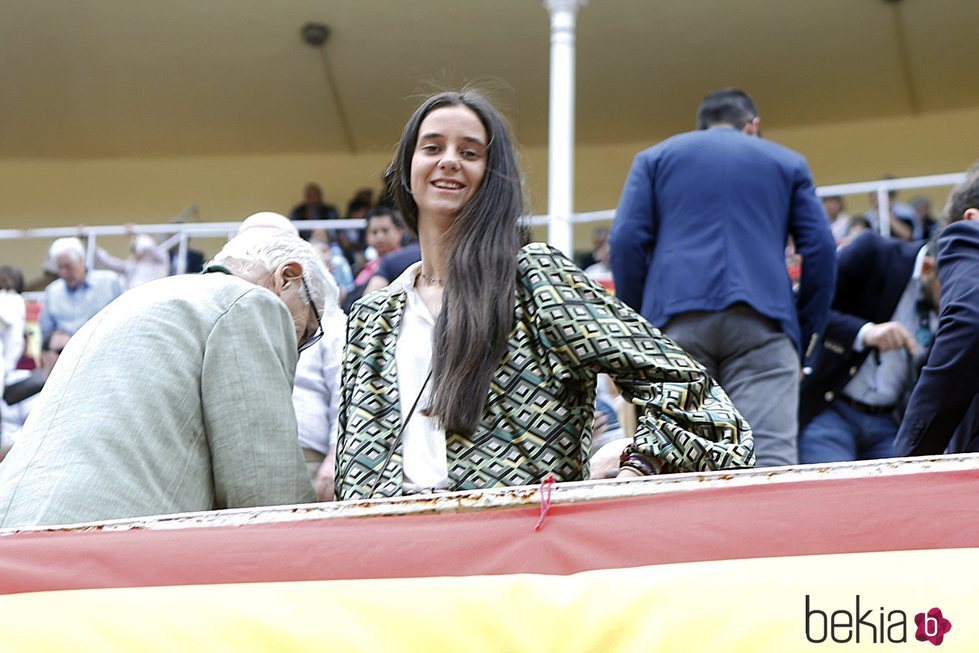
x,y
889,513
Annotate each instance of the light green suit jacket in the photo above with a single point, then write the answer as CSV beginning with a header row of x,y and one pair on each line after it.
x,y
176,397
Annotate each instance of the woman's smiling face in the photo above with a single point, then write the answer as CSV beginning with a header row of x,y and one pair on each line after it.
x,y
449,160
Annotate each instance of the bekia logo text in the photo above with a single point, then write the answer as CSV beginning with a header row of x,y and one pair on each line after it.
x,y
875,625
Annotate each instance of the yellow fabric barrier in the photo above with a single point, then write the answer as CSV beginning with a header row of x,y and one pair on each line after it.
x,y
728,606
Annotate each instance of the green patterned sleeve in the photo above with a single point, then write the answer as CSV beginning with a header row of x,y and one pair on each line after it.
x,y
686,421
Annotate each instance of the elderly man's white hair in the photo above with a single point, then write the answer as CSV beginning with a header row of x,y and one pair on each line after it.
x,y
71,246
259,250
267,220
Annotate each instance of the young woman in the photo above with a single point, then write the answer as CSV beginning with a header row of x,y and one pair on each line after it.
x,y
476,368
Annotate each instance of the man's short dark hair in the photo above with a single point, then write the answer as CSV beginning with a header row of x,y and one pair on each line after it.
x,y
964,196
729,106
379,211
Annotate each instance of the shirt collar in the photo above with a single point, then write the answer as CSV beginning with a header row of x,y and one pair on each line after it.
x,y
919,262
84,284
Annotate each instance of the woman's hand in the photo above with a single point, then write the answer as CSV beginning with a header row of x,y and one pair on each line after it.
x,y
325,477
605,462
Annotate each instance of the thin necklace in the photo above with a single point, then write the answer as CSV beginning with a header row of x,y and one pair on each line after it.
x,y
432,281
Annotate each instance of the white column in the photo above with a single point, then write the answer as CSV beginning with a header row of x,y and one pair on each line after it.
x,y
560,144
90,247
884,211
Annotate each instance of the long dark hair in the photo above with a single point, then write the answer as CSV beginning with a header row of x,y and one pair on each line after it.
x,y
470,334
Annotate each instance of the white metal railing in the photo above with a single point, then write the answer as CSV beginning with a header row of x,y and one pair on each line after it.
x,y
180,233
883,186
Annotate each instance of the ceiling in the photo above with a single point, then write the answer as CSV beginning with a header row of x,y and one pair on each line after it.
x,y
113,78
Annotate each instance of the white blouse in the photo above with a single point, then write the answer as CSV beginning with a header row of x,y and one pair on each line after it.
x,y
425,465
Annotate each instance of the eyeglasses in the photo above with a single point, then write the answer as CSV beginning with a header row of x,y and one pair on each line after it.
x,y
313,339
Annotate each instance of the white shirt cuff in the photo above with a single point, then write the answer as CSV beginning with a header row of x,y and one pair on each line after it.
x,y
858,343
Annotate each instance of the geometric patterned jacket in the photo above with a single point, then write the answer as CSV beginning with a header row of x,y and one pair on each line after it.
x,y
540,409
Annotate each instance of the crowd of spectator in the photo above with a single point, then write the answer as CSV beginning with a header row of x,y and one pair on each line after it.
x,y
822,370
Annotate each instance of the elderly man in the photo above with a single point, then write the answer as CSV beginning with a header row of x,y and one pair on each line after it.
x,y
78,293
176,398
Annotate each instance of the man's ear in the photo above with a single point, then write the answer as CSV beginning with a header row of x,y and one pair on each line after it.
x,y
752,128
971,214
289,273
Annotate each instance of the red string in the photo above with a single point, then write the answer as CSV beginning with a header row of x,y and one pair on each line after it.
x,y
545,499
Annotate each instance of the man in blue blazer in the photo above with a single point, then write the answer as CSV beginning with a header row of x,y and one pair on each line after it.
x,y
878,331
698,248
943,412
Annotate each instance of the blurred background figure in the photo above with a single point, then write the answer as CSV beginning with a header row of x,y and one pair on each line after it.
x,y
336,263
385,230
147,261
901,214
78,293
839,221
925,224
312,208
13,314
22,389
599,236
599,270
12,317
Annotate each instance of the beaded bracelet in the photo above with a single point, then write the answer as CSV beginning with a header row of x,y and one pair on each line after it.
x,y
639,465
645,465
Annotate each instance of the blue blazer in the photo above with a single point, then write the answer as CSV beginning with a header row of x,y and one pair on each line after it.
x,y
703,223
944,398
873,274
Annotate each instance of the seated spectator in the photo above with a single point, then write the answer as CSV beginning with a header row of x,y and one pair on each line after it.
x,y
334,260
878,330
178,398
22,388
193,262
393,266
385,231
351,240
147,261
943,412
361,203
925,224
839,221
599,270
78,294
599,238
901,214
857,224
12,319
312,208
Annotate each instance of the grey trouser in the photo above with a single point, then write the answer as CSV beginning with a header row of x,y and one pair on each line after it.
x,y
758,367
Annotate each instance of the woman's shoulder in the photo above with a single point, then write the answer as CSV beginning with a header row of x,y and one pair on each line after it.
x,y
388,298
541,256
